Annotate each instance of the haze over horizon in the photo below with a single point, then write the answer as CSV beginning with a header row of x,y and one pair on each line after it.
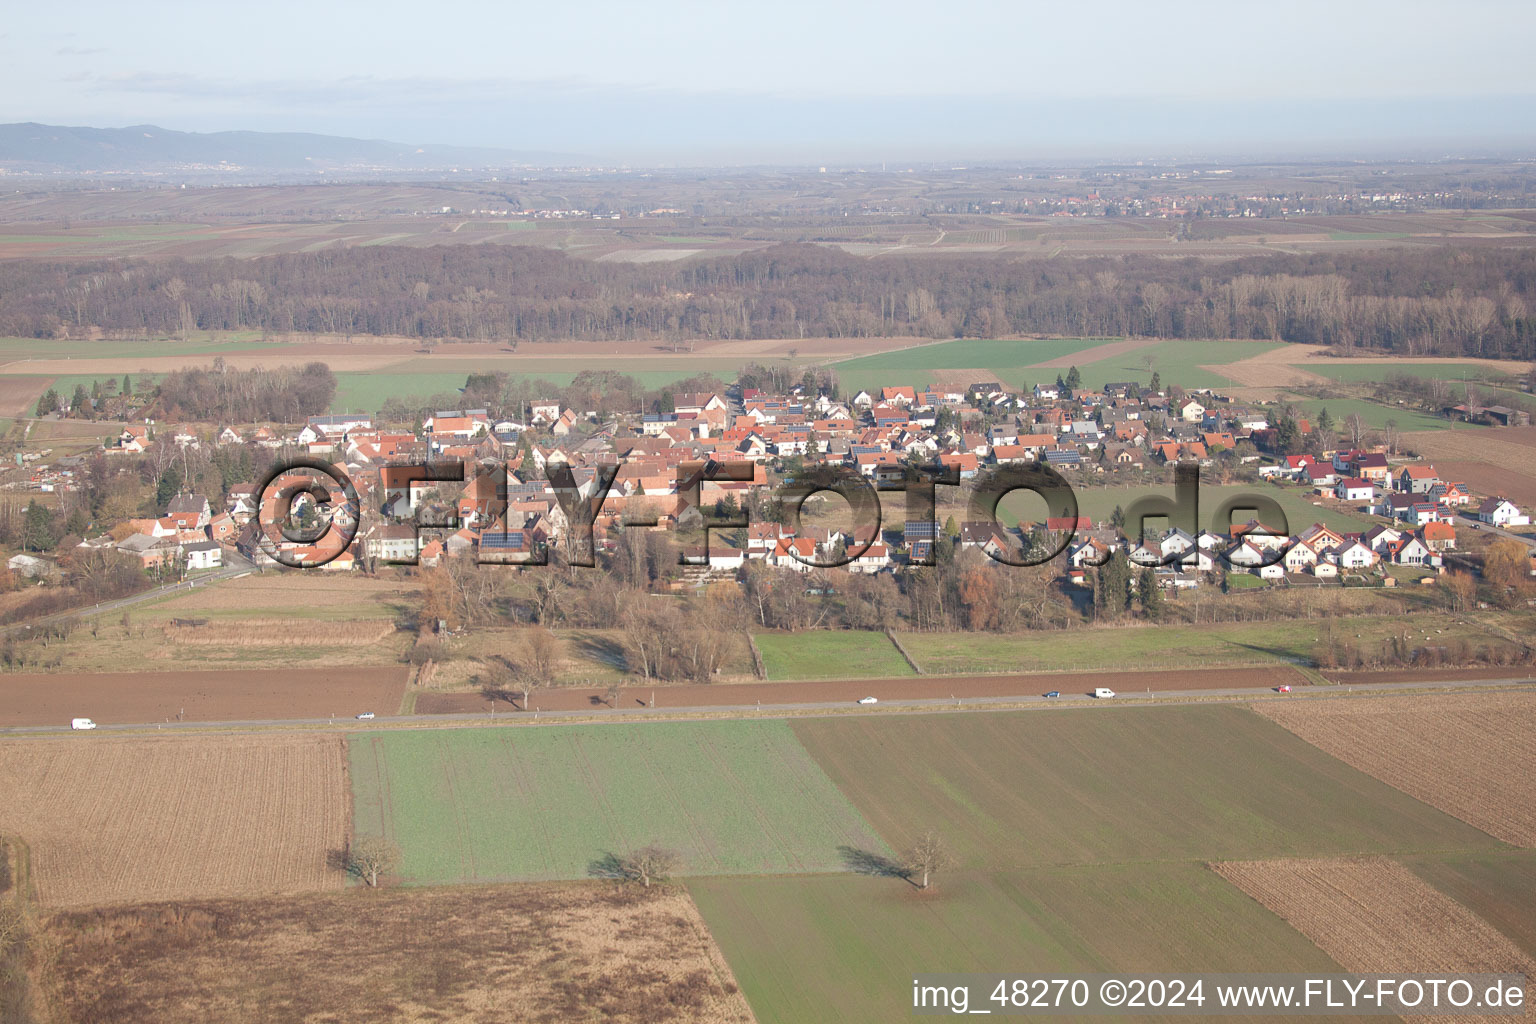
x,y
690,83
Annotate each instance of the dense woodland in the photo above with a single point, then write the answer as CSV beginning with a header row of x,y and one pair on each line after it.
x,y
1413,300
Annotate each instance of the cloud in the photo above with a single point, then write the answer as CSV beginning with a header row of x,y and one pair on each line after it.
x,y
78,51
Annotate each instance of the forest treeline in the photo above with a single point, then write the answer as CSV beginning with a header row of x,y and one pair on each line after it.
x,y
1412,300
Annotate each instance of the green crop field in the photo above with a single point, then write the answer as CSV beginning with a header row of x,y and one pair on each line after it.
x,y
1165,646
1082,839
1371,372
822,654
1176,362
1001,359
525,804
845,949
367,392
1375,415
1098,503
1099,785
1499,887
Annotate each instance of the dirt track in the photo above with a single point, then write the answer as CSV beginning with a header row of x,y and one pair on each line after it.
x,y
905,688
131,697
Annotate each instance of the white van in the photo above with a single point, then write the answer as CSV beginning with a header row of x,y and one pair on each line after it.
x,y
81,723
1103,691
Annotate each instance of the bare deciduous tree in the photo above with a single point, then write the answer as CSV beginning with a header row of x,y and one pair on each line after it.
x,y
542,654
643,865
371,858
927,858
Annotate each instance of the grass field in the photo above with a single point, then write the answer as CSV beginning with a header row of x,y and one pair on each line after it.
x,y
1169,646
1498,887
1098,503
1118,785
1375,416
270,619
1372,372
367,392
539,804
916,365
830,655
845,949
1082,839
1176,362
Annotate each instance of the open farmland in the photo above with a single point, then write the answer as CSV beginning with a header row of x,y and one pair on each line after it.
x,y
1147,647
982,359
1468,754
307,595
541,804
1373,370
1376,416
533,954
1189,364
1492,461
110,820
830,655
1097,784
844,949
115,698
1374,916
1498,887
18,395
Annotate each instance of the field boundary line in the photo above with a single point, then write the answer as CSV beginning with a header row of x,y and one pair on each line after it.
x,y
757,658
891,635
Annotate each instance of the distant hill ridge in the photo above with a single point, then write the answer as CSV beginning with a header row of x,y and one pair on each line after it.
x,y
147,148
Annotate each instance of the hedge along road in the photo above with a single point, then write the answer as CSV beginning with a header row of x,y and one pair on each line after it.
x,y
1125,699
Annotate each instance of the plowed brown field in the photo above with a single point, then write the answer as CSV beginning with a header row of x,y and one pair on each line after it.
x,y
1071,684
111,820
117,698
1498,461
483,955
1469,754
18,395
1374,916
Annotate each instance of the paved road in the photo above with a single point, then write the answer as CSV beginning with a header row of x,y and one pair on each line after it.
x,y
1477,524
238,567
1124,699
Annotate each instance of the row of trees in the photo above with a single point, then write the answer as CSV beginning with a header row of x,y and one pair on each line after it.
x,y
219,394
1415,301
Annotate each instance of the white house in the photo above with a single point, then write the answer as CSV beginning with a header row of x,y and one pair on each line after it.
x,y
874,558
1354,489
1502,512
204,554
1299,557
1355,555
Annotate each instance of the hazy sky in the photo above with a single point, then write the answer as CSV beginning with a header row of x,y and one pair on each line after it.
x,y
676,80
